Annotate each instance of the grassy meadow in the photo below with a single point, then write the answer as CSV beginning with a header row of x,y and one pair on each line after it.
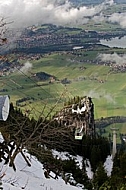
x,y
107,90
121,129
85,78
42,98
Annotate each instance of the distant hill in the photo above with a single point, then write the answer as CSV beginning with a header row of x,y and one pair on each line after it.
x,y
86,2
94,2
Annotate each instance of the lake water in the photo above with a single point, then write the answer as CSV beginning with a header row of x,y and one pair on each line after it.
x,y
115,42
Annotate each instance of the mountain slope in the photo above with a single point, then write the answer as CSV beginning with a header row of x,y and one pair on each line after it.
x,y
30,178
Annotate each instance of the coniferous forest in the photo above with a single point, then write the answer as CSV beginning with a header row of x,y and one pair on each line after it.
x,y
41,136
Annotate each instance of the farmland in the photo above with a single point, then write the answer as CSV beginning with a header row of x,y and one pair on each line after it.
x,y
46,69
74,76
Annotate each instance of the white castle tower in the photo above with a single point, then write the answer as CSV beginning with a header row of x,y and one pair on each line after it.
x,y
114,150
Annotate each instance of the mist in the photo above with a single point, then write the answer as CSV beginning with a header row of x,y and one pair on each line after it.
x,y
25,13
101,94
119,18
116,58
27,67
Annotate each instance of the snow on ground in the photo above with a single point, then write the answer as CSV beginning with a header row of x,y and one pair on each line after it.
x,y
66,156
88,169
30,178
108,165
79,159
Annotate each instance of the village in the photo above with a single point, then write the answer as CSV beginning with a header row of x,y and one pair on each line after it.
x,y
48,38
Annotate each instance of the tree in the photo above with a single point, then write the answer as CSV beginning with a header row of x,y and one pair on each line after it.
x,y
100,176
118,180
3,30
20,132
123,165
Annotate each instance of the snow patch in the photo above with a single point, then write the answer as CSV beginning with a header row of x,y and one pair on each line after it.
x,y
108,165
30,178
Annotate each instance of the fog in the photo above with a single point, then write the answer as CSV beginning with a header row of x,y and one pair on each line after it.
x,y
27,67
119,18
25,13
116,58
101,94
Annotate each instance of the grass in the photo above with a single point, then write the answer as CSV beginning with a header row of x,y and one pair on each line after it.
x,y
121,130
108,97
103,26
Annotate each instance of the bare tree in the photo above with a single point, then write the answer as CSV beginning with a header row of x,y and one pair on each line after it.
x,y
3,30
38,137
19,132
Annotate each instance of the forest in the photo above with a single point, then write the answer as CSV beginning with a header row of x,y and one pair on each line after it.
x,y
20,133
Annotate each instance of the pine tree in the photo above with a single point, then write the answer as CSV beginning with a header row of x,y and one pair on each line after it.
x,y
100,176
1,185
123,165
95,157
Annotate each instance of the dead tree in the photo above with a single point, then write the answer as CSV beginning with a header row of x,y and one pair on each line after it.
x,y
38,137
3,29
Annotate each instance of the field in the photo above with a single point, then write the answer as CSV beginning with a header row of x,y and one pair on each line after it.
x,y
75,73
121,129
84,78
107,90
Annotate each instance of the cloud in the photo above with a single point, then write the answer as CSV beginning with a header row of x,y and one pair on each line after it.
x,y
110,2
109,98
102,94
27,66
119,18
93,94
118,59
99,18
61,12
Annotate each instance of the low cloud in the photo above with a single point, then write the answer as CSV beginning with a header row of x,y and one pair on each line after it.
x,y
99,18
118,59
102,94
61,12
27,67
109,98
119,18
93,94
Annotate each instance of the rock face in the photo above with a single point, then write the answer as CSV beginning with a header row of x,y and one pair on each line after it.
x,y
79,117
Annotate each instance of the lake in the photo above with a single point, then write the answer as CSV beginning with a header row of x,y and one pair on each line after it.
x,y
115,42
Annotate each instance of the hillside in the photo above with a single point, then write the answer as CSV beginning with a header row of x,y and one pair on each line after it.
x,y
31,177
93,2
43,138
